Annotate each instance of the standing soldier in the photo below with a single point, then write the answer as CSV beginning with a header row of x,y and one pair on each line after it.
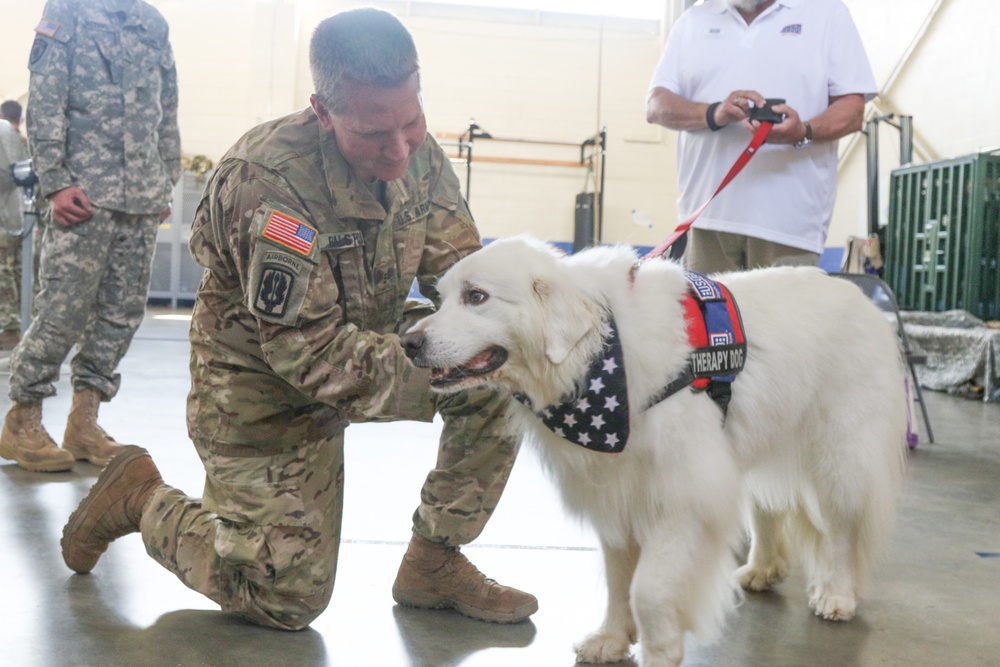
x,y
312,230
12,150
102,126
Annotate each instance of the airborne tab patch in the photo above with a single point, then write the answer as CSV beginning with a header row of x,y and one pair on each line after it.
x,y
289,232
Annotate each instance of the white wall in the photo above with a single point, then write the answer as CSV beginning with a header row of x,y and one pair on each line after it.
x,y
538,76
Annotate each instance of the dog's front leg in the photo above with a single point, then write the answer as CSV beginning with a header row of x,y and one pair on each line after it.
x,y
618,632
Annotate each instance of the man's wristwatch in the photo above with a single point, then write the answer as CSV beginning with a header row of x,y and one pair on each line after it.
x,y
808,139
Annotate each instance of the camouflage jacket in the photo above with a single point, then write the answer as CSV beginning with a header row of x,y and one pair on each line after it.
x,y
294,331
11,150
102,104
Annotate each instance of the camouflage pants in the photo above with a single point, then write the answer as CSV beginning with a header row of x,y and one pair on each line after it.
x,y
264,540
93,280
10,282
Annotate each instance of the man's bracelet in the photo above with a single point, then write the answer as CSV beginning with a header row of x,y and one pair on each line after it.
x,y
710,117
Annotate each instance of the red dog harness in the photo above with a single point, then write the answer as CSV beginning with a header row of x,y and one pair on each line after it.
x,y
715,331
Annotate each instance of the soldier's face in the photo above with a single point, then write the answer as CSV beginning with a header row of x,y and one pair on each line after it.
x,y
380,130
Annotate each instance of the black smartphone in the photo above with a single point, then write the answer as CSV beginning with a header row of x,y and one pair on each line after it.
x,y
766,112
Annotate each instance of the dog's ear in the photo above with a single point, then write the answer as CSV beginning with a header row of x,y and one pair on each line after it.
x,y
564,321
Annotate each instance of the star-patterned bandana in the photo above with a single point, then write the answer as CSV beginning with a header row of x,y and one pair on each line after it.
x,y
596,416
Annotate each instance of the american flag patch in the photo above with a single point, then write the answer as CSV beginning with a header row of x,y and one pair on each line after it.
x,y
47,27
289,232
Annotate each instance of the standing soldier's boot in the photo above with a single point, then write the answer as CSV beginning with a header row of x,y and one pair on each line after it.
x,y
112,508
84,438
26,441
436,576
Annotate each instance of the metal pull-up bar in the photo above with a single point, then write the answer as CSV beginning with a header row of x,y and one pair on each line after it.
x,y
595,157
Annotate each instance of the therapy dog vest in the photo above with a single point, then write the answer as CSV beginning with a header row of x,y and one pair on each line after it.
x,y
596,416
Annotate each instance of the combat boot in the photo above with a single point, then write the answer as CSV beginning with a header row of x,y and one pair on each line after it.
x,y
111,509
84,438
435,576
26,441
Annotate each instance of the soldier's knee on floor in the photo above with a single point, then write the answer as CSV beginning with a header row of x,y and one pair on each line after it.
x,y
286,612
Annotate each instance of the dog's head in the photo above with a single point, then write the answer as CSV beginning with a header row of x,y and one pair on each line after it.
x,y
510,316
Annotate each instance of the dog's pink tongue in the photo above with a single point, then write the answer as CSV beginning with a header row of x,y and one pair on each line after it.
x,y
479,361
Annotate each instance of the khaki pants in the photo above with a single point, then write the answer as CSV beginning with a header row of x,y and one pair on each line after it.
x,y
714,252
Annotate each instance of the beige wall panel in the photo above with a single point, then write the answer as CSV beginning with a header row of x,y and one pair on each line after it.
x,y
542,76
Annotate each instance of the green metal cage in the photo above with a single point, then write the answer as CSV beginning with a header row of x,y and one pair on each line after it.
x,y
942,243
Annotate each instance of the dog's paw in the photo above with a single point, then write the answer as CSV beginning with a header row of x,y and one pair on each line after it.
x,y
663,657
603,647
754,578
832,607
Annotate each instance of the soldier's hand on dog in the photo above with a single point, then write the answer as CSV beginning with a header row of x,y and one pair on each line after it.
x,y
70,206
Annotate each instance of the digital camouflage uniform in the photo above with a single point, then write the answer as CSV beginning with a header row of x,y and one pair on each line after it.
x,y
102,115
294,335
11,150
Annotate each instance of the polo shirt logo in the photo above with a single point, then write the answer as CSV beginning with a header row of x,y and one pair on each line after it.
x,y
792,29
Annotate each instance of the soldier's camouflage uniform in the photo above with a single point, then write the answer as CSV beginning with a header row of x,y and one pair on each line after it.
x,y
294,336
102,115
11,150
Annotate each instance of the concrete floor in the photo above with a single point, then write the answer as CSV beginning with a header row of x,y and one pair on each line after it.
x,y
933,601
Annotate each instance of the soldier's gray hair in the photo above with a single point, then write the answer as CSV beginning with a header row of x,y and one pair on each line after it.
x,y
367,46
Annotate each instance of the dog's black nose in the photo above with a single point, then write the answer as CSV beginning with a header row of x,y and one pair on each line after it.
x,y
412,344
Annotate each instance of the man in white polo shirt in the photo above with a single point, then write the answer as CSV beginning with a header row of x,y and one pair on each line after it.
x,y
723,59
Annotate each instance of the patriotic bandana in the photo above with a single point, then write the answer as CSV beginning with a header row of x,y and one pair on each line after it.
x,y
596,416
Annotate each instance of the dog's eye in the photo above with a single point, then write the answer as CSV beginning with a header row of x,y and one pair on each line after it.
x,y
474,297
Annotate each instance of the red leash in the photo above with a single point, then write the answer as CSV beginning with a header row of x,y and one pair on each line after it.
x,y
756,142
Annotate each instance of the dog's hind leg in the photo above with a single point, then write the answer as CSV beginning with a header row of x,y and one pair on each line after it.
x,y
767,564
618,632
827,551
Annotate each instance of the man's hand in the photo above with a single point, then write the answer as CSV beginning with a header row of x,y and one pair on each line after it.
x,y
667,108
789,131
165,213
70,206
844,116
737,107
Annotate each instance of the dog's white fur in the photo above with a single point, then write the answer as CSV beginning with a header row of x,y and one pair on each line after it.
x,y
812,445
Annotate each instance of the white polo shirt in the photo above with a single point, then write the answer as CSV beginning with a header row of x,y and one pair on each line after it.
x,y
804,51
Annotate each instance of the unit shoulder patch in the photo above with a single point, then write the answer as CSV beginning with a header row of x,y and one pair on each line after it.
x,y
274,291
38,49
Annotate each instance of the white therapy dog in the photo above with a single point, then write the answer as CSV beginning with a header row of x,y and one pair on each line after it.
x,y
811,448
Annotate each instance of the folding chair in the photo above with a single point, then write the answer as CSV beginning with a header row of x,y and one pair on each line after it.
x,y
882,296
